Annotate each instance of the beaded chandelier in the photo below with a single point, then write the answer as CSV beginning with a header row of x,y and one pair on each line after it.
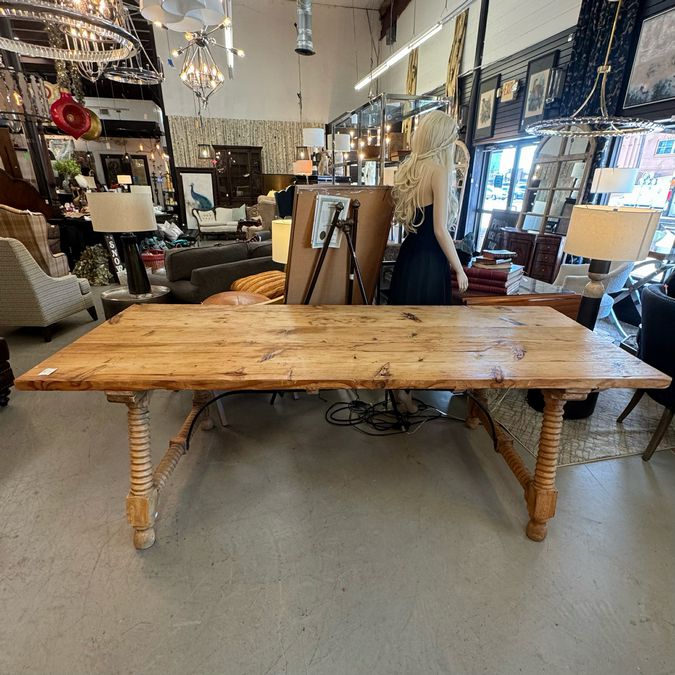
x,y
593,126
94,30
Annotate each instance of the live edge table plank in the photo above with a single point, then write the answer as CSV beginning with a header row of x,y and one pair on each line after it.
x,y
277,347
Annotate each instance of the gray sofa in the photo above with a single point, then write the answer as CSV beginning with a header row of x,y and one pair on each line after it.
x,y
193,274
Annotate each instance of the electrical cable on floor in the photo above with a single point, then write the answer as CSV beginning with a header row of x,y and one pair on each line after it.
x,y
379,419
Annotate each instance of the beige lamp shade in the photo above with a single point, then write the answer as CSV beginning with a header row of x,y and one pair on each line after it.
x,y
141,189
302,167
339,143
121,212
610,233
313,138
281,239
124,179
613,180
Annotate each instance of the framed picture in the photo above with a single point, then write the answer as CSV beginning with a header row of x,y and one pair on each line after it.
x,y
487,107
136,167
323,217
196,190
536,88
652,77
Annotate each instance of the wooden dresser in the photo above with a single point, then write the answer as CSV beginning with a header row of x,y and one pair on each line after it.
x,y
540,254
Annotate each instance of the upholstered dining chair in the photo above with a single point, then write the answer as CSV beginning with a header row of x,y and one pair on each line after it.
x,y
656,349
32,298
32,230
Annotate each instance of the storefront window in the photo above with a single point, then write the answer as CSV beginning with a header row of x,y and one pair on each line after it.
x,y
505,178
654,155
498,179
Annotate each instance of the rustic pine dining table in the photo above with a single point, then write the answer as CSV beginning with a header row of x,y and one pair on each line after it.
x,y
296,347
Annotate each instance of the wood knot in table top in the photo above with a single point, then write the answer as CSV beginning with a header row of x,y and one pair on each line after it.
x,y
412,317
384,370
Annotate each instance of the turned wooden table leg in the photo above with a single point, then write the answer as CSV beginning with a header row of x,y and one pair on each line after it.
x,y
541,493
472,420
199,398
142,497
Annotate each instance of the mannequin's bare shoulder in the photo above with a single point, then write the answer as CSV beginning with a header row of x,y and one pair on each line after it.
x,y
440,175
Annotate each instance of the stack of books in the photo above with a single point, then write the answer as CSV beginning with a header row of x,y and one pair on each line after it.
x,y
495,259
494,273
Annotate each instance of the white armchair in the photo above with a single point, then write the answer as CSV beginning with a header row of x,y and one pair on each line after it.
x,y
575,277
30,297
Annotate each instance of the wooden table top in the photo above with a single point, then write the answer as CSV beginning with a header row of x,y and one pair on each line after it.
x,y
269,347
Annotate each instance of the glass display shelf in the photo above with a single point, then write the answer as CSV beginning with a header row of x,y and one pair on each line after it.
x,y
379,134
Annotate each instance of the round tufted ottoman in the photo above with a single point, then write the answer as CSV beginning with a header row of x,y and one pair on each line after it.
x,y
235,298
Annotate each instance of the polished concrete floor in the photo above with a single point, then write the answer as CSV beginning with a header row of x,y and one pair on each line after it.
x,y
289,546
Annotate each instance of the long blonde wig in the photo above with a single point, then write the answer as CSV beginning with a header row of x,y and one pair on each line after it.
x,y
433,143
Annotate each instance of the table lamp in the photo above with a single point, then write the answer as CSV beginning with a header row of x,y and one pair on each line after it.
x,y
281,239
302,167
614,180
313,137
125,212
605,234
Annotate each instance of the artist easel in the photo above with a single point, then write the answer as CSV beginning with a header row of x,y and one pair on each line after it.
x,y
348,227
333,279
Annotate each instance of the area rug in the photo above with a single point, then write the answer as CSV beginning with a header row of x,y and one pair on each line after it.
x,y
595,438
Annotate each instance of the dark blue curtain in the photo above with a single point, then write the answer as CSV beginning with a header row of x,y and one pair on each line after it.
x,y
590,44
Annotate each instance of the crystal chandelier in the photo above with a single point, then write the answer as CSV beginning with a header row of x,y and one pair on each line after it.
x,y
200,72
137,69
593,126
94,29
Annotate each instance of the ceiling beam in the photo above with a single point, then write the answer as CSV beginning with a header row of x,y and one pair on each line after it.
x,y
390,10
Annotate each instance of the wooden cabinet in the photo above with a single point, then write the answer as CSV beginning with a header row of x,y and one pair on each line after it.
x,y
539,254
521,243
238,174
546,257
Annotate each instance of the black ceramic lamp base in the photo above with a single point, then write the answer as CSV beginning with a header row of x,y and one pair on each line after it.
x,y
137,277
589,309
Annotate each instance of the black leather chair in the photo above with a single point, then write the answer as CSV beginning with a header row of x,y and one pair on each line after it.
x,y
656,340
6,375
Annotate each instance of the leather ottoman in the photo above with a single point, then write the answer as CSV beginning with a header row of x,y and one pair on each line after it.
x,y
234,298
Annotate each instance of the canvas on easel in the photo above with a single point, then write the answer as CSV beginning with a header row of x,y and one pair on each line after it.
x,y
332,287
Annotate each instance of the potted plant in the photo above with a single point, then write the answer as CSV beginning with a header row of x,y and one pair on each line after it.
x,y
67,169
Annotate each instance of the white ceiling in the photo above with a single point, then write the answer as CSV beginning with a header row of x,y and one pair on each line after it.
x,y
359,4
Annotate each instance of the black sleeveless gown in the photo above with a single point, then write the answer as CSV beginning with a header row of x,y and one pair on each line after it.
x,y
422,273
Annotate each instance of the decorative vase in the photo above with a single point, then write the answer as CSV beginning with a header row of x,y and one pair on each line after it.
x,y
69,116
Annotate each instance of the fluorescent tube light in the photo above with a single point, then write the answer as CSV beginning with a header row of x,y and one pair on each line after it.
x,y
229,40
413,43
430,32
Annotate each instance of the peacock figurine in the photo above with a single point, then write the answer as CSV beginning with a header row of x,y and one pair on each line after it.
x,y
201,201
